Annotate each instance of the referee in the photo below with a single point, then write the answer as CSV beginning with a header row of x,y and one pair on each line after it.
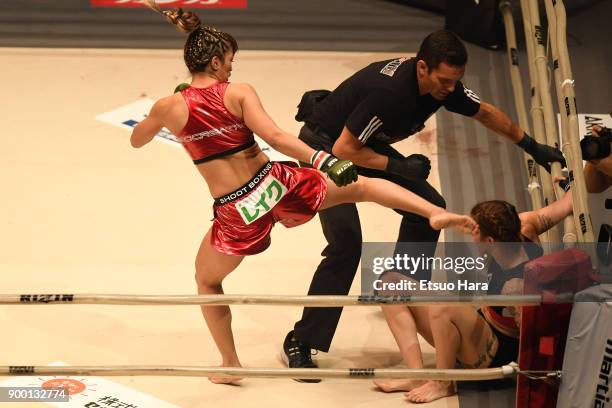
x,y
379,105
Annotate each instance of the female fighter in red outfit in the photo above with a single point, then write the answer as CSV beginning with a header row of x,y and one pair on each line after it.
x,y
215,121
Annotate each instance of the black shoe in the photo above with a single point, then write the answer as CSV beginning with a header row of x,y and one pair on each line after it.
x,y
298,355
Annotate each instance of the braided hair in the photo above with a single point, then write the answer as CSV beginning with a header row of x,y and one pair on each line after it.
x,y
498,219
203,42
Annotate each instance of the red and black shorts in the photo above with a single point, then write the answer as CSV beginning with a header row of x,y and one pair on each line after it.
x,y
279,192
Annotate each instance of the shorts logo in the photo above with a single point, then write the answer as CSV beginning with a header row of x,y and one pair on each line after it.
x,y
261,200
392,66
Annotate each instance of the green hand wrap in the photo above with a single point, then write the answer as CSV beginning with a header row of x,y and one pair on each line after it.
x,y
180,87
341,172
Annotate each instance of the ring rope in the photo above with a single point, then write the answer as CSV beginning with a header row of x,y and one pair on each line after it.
x,y
282,300
478,374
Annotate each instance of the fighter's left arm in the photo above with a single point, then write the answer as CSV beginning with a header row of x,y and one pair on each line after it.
x,y
146,130
496,120
536,222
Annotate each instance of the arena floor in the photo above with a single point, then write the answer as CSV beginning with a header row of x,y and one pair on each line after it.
x,y
86,213
83,212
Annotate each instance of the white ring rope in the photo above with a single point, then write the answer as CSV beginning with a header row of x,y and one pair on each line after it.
x,y
281,300
478,374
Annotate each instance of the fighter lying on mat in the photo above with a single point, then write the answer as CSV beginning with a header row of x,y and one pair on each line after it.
x,y
215,121
465,336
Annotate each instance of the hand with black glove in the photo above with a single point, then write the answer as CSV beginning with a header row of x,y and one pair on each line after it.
x,y
341,172
541,153
413,167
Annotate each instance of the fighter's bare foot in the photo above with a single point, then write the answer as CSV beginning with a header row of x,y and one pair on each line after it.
x,y
225,379
397,385
431,391
447,219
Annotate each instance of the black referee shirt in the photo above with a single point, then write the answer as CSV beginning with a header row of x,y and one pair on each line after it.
x,y
381,102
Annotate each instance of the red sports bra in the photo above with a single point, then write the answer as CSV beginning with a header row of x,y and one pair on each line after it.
x,y
212,131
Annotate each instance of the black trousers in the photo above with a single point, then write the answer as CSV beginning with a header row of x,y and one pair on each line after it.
x,y
342,230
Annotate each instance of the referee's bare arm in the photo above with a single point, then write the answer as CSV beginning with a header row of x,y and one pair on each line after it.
x,y
496,120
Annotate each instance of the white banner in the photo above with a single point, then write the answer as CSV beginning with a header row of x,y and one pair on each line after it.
x,y
128,116
586,122
90,392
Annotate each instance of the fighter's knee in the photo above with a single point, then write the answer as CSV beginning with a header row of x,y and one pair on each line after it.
x,y
391,276
361,188
439,312
205,278
200,278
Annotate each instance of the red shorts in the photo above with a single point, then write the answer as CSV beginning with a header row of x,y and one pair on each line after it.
x,y
279,192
